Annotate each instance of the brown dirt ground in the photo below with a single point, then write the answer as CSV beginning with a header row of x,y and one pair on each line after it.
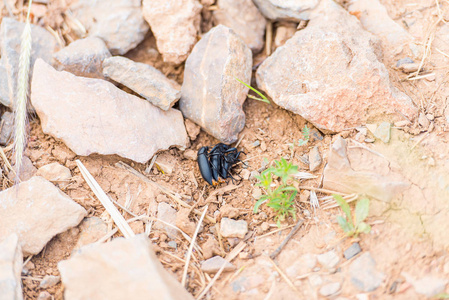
x,y
393,249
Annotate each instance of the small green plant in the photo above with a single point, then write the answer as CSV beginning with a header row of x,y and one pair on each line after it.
x,y
306,136
280,194
353,226
263,98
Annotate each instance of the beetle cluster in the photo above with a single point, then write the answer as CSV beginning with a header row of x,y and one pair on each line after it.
x,y
215,165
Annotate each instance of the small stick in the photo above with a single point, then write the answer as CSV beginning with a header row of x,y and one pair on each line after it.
x,y
269,38
321,190
220,241
119,220
274,231
192,243
284,276
229,258
289,236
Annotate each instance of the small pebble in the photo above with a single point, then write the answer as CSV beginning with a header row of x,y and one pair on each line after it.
x,y
172,244
383,132
352,251
232,228
253,175
314,159
329,259
256,193
330,289
190,154
245,174
44,296
256,144
406,60
49,281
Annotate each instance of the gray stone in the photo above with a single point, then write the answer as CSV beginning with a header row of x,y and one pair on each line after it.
x,y
329,259
175,24
314,159
7,127
406,60
143,79
330,289
321,73
119,23
245,19
212,265
49,281
83,57
91,230
54,172
44,296
43,45
364,275
37,211
286,10
10,268
27,170
361,171
211,95
119,269
428,286
230,228
297,266
382,132
112,122
167,214
352,251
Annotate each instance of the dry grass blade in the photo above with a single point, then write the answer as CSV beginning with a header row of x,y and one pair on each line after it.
x,y
304,175
284,276
192,243
314,200
229,258
331,203
20,106
106,202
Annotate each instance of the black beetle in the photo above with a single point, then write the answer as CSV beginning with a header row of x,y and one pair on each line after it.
x,y
215,164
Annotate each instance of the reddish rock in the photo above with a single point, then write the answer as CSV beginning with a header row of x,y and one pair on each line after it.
x,y
175,24
330,73
245,19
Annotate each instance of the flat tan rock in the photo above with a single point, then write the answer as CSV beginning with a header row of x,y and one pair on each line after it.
x,y
93,116
37,211
10,268
119,269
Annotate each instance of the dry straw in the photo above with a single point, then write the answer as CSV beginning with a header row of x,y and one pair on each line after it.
x,y
20,116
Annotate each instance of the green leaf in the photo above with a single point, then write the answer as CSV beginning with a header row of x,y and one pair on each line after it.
x,y
306,132
288,188
363,228
361,210
264,99
344,207
259,203
344,224
302,142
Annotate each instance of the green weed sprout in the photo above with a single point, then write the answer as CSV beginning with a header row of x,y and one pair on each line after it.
x,y
353,226
306,135
279,196
263,98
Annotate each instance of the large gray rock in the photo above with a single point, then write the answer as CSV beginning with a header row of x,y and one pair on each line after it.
x,y
428,285
175,24
7,127
119,23
330,73
43,45
143,79
211,95
37,211
119,269
245,19
286,10
93,116
10,268
83,57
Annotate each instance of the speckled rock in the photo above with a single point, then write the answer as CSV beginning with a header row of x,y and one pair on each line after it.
x,y
211,95
230,228
43,46
364,275
112,122
143,79
175,24
330,73
286,10
213,264
37,211
83,57
119,269
119,23
245,19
